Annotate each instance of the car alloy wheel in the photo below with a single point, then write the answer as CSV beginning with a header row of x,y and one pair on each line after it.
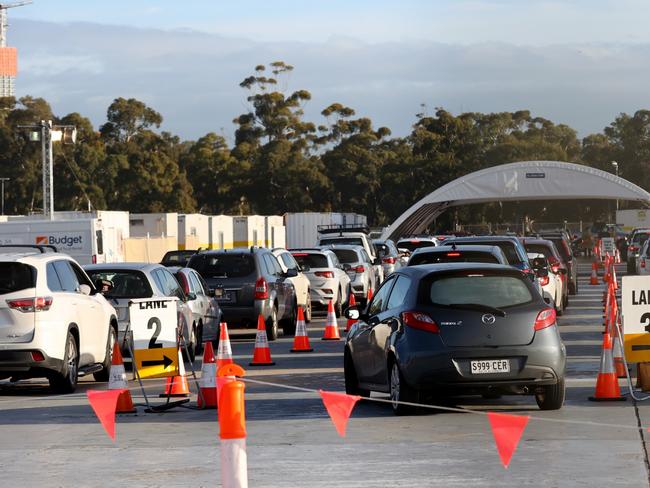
x,y
272,325
400,392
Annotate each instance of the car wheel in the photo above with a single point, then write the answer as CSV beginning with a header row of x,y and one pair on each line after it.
x,y
351,380
308,311
66,380
400,391
559,309
551,397
338,306
110,343
191,344
289,325
565,301
631,268
272,325
199,340
572,288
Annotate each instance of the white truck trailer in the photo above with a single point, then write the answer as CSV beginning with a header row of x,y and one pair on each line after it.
x,y
302,228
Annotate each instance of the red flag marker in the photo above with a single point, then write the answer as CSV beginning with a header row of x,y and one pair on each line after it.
x,y
104,404
339,406
507,431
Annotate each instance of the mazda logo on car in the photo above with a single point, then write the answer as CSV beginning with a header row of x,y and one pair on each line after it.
x,y
488,319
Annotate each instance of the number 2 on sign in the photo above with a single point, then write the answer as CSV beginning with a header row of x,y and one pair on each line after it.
x,y
156,321
645,320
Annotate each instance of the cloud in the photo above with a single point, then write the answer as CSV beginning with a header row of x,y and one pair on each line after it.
x,y
192,78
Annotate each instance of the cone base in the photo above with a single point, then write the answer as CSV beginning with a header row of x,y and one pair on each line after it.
x,y
613,399
262,364
301,350
173,395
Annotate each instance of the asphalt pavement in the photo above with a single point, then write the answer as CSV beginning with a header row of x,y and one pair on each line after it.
x,y
56,441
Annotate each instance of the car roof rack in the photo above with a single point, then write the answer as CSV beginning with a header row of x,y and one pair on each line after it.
x,y
340,229
43,248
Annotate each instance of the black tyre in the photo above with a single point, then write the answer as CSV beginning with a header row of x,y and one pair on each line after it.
x,y
338,306
573,288
631,267
199,340
559,309
272,324
308,311
400,391
289,324
191,345
551,397
565,301
110,342
66,380
351,380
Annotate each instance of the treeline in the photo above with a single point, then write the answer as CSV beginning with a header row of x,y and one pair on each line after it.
x,y
280,162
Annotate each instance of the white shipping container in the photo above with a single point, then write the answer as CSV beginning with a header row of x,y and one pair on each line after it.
x,y
221,232
629,219
302,228
274,231
248,231
154,224
193,231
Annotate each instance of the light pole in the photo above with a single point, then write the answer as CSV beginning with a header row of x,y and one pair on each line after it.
x,y
2,182
615,164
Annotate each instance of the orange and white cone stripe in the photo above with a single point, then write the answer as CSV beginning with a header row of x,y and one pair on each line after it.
x,y
232,430
331,325
262,352
301,339
208,383
224,351
607,388
117,381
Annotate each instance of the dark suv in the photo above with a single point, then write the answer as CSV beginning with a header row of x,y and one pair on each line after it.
x,y
248,283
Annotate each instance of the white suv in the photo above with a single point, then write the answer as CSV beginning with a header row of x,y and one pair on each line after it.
x,y
300,282
53,322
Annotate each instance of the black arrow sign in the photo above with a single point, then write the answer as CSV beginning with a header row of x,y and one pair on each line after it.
x,y
165,361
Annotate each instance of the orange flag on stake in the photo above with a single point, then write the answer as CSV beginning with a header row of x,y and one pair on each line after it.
x,y
339,406
507,430
104,403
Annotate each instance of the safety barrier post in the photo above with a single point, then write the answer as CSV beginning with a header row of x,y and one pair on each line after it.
x,y
232,429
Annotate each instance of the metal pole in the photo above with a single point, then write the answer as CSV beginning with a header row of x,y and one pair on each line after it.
x,y
3,193
50,162
45,166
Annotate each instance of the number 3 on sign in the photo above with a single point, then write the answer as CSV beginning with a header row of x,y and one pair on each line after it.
x,y
156,321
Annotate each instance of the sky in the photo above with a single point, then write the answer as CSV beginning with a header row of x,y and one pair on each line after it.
x,y
575,62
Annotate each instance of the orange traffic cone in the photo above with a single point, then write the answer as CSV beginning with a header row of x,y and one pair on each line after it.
x,y
301,339
331,325
369,295
208,396
117,381
607,388
614,278
262,352
594,274
224,351
177,386
351,303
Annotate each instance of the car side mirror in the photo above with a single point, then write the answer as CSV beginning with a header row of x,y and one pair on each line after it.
x,y
191,296
352,313
85,289
291,273
304,268
377,262
539,263
346,267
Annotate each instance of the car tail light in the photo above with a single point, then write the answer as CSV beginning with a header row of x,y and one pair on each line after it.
x,y
359,269
37,304
184,283
453,254
415,241
94,258
299,254
543,280
421,321
545,319
642,263
633,249
555,268
325,274
389,260
261,289
37,356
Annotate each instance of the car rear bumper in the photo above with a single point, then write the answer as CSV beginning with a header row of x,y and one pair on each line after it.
x,y
245,316
21,363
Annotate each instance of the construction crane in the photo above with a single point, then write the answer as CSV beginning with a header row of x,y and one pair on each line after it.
x,y
3,19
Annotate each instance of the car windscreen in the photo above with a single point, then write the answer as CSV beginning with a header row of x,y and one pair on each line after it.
x,y
453,257
485,289
353,241
414,244
16,276
346,256
507,247
126,283
306,260
223,265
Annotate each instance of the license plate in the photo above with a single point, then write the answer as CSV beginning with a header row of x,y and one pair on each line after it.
x,y
490,366
224,296
218,292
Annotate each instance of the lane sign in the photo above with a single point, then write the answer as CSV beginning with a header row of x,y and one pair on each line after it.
x,y
635,303
154,326
607,245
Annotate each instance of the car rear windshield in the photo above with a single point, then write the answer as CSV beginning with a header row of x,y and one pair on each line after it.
x,y
306,260
414,244
353,241
453,257
562,247
508,248
382,250
539,249
491,290
16,276
177,257
126,283
346,255
640,237
226,265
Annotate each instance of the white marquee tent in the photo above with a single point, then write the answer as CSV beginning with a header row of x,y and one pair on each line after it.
x,y
528,180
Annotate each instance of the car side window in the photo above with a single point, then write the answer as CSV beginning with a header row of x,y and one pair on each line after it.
x,y
365,256
67,277
335,261
172,288
53,282
274,265
81,276
379,301
158,280
399,292
288,260
204,284
196,284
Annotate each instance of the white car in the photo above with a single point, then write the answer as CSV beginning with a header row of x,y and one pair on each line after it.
x,y
643,260
300,282
54,323
328,281
356,263
550,282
